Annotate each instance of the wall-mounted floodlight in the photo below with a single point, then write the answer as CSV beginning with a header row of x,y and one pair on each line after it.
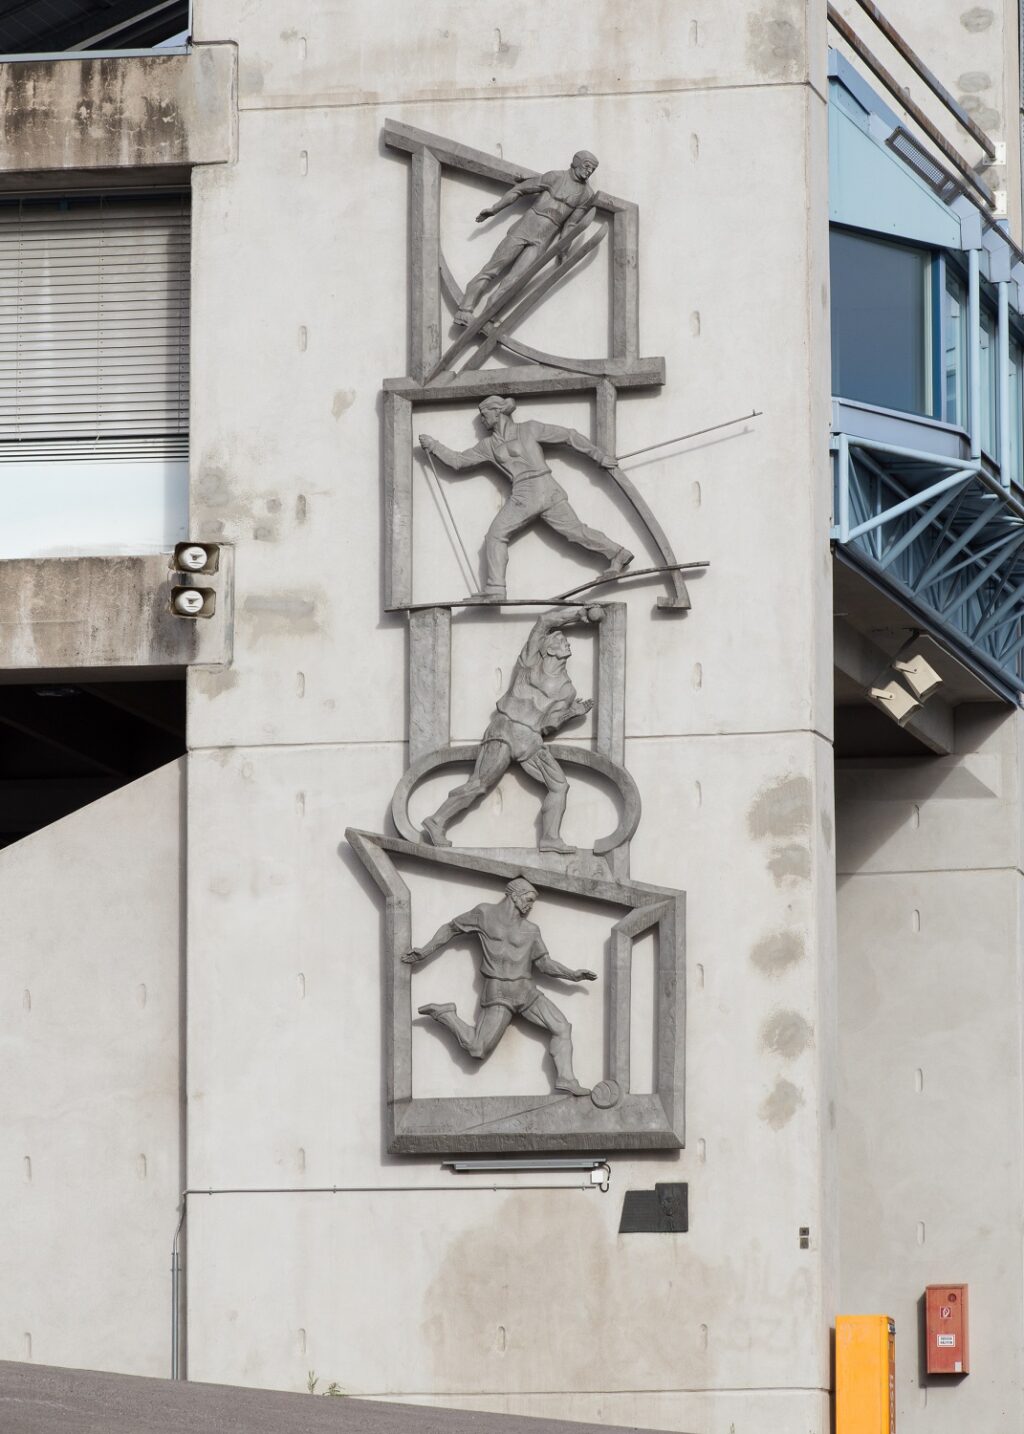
x,y
193,602
895,701
197,557
917,673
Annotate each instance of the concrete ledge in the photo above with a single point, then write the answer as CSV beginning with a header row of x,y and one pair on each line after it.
x,y
98,614
134,112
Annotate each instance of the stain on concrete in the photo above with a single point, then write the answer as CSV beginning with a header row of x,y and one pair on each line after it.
x,y
790,863
778,951
279,614
213,489
977,18
301,508
781,1104
982,114
263,533
343,400
513,1245
111,112
786,1034
273,505
826,829
212,681
781,809
774,45
975,80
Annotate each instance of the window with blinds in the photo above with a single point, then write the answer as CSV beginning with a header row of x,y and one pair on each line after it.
x,y
94,328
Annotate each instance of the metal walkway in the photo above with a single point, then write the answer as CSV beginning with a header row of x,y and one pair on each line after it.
x,y
946,538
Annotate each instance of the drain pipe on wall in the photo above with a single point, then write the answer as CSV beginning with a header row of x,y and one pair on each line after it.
x,y
599,1173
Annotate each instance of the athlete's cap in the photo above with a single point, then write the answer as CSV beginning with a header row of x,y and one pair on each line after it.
x,y
519,886
585,157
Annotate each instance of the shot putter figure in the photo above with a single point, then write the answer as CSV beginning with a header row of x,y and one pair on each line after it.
x,y
564,203
517,450
539,700
512,949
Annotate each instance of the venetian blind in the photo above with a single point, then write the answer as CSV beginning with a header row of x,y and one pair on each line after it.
x,y
94,321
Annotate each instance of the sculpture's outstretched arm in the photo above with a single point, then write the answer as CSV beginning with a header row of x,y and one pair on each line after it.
x,y
466,458
549,622
550,967
440,939
553,433
518,191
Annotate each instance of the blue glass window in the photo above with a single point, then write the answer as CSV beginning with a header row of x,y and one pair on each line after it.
x,y
882,323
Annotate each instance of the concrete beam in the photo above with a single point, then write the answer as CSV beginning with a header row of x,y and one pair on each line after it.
x,y
863,662
134,112
104,615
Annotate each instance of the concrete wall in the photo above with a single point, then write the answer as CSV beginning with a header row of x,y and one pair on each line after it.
x,y
930,1111
525,1300
90,1096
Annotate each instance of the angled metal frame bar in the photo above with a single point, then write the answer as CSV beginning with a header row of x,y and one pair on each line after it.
x,y
955,542
943,560
896,549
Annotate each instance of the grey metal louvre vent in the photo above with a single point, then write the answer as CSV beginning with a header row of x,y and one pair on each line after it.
x,y
903,143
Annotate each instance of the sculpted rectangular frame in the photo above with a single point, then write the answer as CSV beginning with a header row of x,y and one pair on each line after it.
x,y
493,1124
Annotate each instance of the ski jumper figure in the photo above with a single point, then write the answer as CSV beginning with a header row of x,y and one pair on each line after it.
x,y
511,949
565,201
517,450
539,700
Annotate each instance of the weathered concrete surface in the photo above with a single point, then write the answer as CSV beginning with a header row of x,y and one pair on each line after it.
x,y
930,1106
40,1400
90,1100
133,112
470,51
105,613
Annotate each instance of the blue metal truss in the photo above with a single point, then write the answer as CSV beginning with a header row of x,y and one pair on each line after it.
x,y
945,537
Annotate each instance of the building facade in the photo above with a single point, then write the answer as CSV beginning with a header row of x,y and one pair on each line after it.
x,y
233,274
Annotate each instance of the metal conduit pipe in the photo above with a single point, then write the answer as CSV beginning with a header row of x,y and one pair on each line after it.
x,y
600,1178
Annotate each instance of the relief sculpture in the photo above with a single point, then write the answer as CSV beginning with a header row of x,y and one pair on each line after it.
x,y
512,950
517,451
548,247
540,700
565,203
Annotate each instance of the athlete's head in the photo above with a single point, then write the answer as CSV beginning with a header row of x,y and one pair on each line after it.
x,y
492,408
556,644
521,894
583,164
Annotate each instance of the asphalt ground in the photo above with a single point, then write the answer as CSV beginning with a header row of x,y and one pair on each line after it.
x,y
39,1399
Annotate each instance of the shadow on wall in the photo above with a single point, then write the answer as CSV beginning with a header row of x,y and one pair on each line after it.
x,y
64,745
877,796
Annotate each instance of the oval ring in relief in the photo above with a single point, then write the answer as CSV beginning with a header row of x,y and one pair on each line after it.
x,y
571,756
